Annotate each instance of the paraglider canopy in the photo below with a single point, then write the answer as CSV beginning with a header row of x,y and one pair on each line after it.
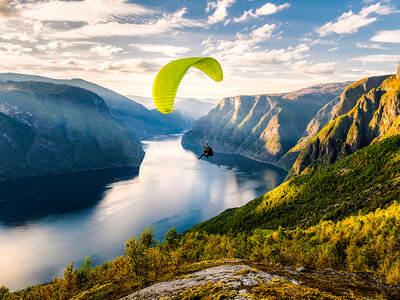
x,y
169,77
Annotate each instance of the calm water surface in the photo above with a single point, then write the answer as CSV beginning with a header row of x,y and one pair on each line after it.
x,y
47,222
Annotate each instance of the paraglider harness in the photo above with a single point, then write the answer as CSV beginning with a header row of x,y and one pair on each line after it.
x,y
207,151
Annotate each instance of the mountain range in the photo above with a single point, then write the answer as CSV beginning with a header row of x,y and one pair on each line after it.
x,y
267,127
349,166
53,126
128,114
368,112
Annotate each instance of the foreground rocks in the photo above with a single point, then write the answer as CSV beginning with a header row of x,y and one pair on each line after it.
x,y
239,278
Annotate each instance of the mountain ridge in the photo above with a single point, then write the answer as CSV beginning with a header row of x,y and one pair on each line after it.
x,y
127,113
49,129
368,112
262,127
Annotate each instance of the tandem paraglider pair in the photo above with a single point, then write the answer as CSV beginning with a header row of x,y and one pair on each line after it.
x,y
170,76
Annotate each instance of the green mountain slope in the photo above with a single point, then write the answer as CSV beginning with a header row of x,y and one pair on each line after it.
x,y
49,128
364,181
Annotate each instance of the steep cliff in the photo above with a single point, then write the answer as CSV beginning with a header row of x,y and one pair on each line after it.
x,y
49,128
323,116
262,127
368,112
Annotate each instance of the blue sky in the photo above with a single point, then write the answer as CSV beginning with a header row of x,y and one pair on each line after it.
x,y
263,46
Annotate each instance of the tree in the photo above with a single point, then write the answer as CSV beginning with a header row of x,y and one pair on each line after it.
x,y
172,238
4,292
70,281
147,237
136,256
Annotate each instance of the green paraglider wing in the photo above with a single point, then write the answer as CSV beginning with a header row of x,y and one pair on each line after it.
x,y
169,77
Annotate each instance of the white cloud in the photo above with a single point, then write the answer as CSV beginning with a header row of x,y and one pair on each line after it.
x,y
53,45
221,7
14,49
350,22
378,58
114,28
274,56
88,11
244,42
71,63
130,66
105,50
245,49
21,36
333,49
387,36
322,42
308,67
370,46
167,50
266,9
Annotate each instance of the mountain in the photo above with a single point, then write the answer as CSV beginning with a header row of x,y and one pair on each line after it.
x,y
326,114
192,109
127,113
322,117
360,183
349,166
263,127
368,112
188,108
51,128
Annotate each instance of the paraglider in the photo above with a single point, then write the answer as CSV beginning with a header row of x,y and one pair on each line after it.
x,y
169,78
207,152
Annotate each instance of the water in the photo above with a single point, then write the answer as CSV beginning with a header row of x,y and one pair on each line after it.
x,y
49,221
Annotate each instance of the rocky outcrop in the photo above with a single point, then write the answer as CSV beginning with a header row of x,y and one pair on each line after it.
x,y
262,127
240,278
368,111
49,128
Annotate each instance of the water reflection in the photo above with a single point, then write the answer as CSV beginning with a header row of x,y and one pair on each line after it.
x,y
25,200
267,175
51,221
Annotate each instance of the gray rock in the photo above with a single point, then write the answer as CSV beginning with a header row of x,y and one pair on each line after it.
x,y
301,269
232,276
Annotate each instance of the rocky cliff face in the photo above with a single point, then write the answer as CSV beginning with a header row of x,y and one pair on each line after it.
x,y
368,111
262,127
333,109
48,128
321,118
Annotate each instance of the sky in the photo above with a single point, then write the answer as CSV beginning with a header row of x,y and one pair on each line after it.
x,y
262,46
